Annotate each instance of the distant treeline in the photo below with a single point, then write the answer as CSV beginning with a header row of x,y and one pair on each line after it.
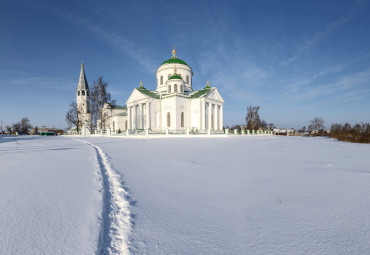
x,y
359,133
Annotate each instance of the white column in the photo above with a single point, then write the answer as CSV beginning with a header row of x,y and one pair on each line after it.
x,y
221,117
216,117
128,117
209,115
140,125
202,115
147,116
142,116
134,117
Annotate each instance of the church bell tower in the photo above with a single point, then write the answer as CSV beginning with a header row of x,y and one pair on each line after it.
x,y
83,100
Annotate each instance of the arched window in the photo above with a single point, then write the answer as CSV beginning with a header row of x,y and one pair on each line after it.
x,y
181,89
161,80
175,88
78,93
187,79
169,89
182,120
83,92
168,119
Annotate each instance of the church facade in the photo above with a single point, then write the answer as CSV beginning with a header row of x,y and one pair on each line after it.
x,y
174,105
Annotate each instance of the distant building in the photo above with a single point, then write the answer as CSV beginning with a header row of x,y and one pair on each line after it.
x,y
278,131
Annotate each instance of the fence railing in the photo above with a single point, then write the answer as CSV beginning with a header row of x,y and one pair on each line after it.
x,y
146,132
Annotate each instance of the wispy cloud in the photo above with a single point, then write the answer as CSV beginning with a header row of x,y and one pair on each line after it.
x,y
318,37
113,39
345,87
37,83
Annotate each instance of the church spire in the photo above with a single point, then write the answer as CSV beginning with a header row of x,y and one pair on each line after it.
x,y
82,83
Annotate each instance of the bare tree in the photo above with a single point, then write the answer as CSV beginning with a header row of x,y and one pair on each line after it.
x,y
263,124
316,124
253,119
25,125
8,129
72,116
98,97
347,127
16,127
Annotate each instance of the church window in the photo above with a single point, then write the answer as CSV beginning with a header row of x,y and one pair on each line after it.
x,y
182,119
168,119
169,89
175,88
187,79
78,93
181,89
83,92
161,80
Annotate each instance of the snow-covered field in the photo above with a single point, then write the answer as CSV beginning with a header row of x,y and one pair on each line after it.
x,y
226,195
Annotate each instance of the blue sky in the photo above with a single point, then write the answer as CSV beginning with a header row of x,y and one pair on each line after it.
x,y
295,59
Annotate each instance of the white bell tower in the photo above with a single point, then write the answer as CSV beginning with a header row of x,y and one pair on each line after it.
x,y
83,100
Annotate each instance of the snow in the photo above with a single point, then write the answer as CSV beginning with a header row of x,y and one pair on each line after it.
x,y
49,196
225,195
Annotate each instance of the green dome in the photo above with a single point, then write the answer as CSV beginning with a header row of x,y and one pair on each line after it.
x,y
175,76
175,61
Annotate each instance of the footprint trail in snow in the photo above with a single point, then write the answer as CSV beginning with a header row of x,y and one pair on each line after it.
x,y
116,221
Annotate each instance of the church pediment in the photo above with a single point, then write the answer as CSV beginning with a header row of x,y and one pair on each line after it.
x,y
136,96
215,95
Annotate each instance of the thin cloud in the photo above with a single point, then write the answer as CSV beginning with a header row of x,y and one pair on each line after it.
x,y
318,37
42,83
343,85
113,39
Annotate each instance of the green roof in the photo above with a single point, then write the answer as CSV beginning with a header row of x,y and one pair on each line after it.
x,y
121,114
200,93
118,107
175,76
148,92
174,61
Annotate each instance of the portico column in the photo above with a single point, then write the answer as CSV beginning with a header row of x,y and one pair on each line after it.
x,y
221,117
128,117
134,117
216,117
209,116
147,116
202,116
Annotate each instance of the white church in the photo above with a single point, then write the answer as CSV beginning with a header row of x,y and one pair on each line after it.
x,y
173,106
